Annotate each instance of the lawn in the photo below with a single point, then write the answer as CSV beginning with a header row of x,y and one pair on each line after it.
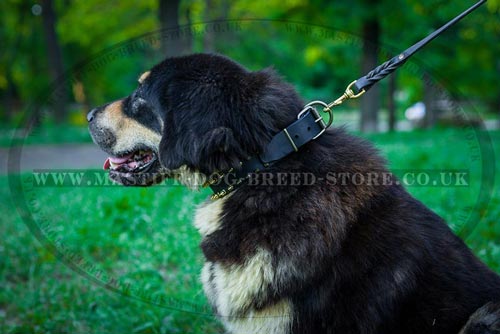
x,y
127,259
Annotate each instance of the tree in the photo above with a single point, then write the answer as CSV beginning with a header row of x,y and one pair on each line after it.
x,y
370,16
10,95
319,65
55,60
430,101
370,103
391,103
215,11
173,41
97,30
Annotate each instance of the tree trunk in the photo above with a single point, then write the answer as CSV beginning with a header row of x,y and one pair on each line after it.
x,y
391,105
54,55
370,103
215,12
209,36
429,101
498,97
11,96
173,41
12,101
498,111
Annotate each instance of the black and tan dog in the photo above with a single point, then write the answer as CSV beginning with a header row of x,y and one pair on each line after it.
x,y
321,257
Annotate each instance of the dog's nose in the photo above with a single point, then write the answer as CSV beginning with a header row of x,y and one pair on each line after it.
x,y
91,114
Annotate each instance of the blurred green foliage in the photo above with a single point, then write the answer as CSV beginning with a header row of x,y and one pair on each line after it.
x,y
320,52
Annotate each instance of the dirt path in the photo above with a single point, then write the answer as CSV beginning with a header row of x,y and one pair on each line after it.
x,y
82,156
68,156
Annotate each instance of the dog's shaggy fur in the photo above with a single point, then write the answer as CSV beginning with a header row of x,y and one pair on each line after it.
x,y
321,257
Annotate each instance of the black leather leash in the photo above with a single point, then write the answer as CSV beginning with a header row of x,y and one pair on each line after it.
x,y
381,71
310,124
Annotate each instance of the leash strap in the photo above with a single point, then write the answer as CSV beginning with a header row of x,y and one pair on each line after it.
x,y
366,82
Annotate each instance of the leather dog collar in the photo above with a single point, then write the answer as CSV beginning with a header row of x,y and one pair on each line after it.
x,y
309,126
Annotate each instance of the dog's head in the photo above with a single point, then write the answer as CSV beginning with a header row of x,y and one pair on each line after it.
x,y
198,114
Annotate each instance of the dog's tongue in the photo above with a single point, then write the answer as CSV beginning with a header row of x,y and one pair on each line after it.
x,y
116,161
106,164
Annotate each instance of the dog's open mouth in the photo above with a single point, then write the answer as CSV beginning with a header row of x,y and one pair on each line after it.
x,y
135,162
139,168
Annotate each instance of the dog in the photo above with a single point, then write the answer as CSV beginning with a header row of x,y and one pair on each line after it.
x,y
284,255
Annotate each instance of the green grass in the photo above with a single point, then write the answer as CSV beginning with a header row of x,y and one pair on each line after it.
x,y
143,238
139,237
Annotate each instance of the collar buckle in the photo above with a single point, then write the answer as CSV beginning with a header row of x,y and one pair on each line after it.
x,y
318,118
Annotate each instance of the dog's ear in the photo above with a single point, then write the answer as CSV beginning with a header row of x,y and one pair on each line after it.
x,y
219,150
170,153
215,150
